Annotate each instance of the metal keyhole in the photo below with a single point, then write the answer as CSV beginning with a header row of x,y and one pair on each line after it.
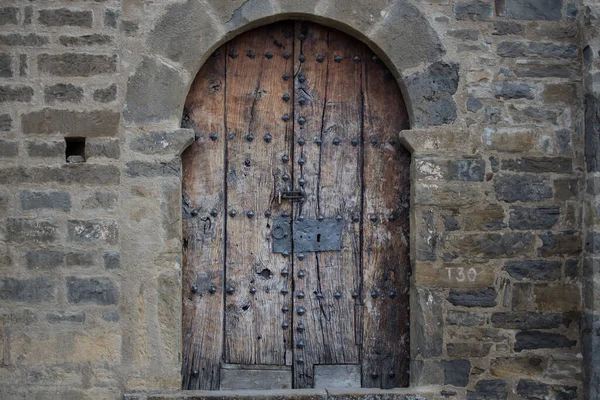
x,y
278,232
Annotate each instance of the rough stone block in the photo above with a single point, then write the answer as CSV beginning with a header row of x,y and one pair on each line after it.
x,y
562,138
34,290
111,17
548,10
559,297
101,200
529,340
490,218
447,194
96,123
30,40
492,245
30,231
522,187
537,270
566,188
162,142
509,142
8,149
63,92
65,17
5,123
511,90
33,200
516,366
488,389
80,259
77,64
153,169
473,297
427,327
101,291
46,149
112,260
153,93
95,39
473,10
522,297
44,259
529,389
93,231
22,94
456,372
9,16
18,317
467,350
563,243
473,104
537,49
522,218
426,238
69,317
454,275
111,316
6,70
526,320
106,95
560,165
103,148
464,318
560,93
504,28
70,173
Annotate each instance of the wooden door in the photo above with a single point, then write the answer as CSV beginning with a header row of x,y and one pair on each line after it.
x,y
295,200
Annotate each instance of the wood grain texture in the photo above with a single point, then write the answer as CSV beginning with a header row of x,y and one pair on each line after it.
x,y
203,194
385,257
332,91
254,107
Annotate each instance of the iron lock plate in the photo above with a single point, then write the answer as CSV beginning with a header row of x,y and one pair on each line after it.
x,y
307,235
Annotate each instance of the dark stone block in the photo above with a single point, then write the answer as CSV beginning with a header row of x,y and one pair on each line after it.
x,y
427,238
522,187
5,66
19,93
80,259
464,34
547,70
522,296
428,323
44,259
529,389
592,134
473,298
563,243
467,170
111,18
153,169
494,389
571,269
112,260
18,317
526,320
106,95
31,200
95,39
30,231
565,189
46,149
549,10
456,372
537,270
23,67
33,290
590,343
492,245
8,149
572,11
72,174
431,93
592,242
77,64
65,17
522,218
101,200
473,104
450,223
510,90
28,15
65,317
503,28
560,165
563,141
464,318
129,27
93,231
528,340
537,49
31,40
9,16
495,164
72,123
101,291
473,10
103,148
63,92
111,316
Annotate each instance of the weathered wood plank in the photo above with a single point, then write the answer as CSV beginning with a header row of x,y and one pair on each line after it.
x,y
385,256
254,107
255,379
331,115
203,194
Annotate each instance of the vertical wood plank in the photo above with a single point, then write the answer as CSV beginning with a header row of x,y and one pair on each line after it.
x,y
328,110
385,257
255,277
203,207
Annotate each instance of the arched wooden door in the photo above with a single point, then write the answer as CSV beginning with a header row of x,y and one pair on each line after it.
x,y
296,216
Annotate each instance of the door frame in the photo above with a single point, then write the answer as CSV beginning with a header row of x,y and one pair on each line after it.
x,y
154,96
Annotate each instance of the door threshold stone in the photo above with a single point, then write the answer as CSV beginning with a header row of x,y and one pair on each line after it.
x,y
292,394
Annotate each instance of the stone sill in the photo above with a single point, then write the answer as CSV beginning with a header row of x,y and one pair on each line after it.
x,y
298,394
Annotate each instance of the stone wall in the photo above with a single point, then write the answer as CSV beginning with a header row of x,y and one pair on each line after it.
x,y
504,143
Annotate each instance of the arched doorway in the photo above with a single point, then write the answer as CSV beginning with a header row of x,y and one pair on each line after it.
x,y
296,198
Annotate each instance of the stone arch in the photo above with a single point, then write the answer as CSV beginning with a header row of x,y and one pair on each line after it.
x,y
187,33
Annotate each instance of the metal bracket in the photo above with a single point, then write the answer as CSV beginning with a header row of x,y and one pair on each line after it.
x,y
308,235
